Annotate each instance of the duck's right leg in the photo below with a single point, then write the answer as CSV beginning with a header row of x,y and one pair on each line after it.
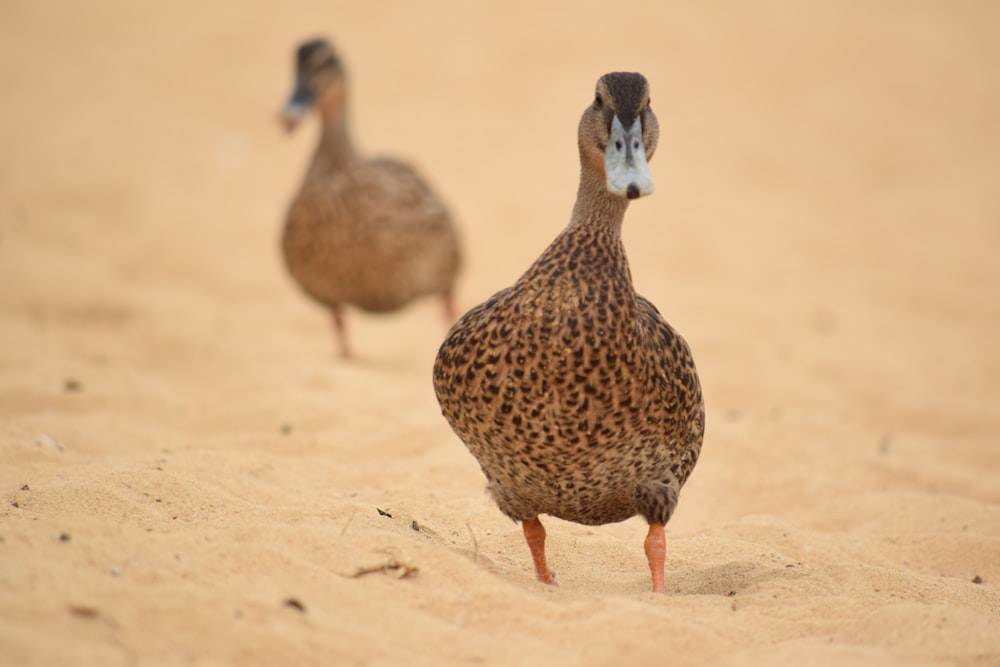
x,y
340,331
534,534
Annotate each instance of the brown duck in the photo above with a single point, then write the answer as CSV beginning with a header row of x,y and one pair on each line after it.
x,y
576,397
367,233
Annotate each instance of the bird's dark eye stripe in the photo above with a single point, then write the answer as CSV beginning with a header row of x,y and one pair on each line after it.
x,y
598,101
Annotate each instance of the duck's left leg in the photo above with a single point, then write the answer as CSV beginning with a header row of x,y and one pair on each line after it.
x,y
450,312
656,552
656,502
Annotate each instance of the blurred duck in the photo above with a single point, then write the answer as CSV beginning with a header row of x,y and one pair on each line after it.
x,y
362,232
576,397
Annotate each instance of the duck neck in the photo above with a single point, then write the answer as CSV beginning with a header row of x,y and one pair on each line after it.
x,y
596,208
335,149
594,234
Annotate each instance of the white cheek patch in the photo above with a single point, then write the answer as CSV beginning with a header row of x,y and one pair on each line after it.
x,y
625,161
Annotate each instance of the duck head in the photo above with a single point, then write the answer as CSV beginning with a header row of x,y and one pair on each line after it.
x,y
618,134
319,83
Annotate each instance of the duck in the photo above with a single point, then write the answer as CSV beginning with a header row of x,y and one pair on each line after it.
x,y
576,397
362,232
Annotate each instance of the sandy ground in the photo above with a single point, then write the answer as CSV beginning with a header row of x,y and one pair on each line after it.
x,y
190,476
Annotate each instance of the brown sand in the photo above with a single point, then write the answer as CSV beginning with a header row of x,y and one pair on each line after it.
x,y
181,454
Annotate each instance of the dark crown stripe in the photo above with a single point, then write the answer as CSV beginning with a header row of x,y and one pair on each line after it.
x,y
628,90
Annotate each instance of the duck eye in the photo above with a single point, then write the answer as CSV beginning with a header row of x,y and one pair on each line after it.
x,y
598,102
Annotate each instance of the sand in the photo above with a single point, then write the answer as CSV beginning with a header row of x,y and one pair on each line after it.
x,y
189,474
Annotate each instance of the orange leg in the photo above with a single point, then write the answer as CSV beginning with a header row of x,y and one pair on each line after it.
x,y
656,552
340,331
450,312
534,534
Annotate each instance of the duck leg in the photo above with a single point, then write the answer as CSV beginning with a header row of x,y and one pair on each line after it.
x,y
450,312
340,331
656,552
534,535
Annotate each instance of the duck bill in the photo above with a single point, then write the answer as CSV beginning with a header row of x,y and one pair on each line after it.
x,y
625,161
298,104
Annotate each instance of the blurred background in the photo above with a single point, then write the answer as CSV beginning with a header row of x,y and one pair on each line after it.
x,y
826,178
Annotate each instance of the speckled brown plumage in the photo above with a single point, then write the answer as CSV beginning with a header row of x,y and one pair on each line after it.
x,y
367,233
575,396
